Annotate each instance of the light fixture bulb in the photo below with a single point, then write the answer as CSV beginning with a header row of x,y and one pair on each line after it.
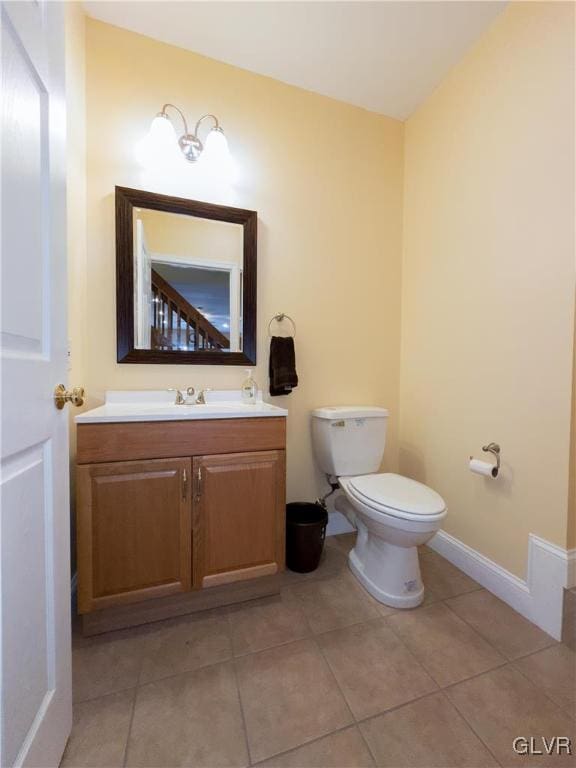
x,y
216,148
216,157
160,147
161,129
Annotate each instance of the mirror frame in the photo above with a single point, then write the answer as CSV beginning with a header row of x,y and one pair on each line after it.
x,y
126,200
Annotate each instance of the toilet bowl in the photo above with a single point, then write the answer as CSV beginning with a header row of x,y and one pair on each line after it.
x,y
385,558
393,514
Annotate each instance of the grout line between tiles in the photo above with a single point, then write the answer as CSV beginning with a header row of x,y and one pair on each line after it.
x,y
276,645
333,676
129,731
477,632
368,747
405,645
354,724
505,661
490,642
512,664
553,644
77,702
469,724
397,707
441,692
357,721
314,741
238,693
183,672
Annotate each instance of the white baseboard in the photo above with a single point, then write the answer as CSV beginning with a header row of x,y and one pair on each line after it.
x,y
571,569
492,576
539,598
548,574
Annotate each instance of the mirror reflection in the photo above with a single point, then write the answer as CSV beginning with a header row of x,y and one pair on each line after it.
x,y
187,282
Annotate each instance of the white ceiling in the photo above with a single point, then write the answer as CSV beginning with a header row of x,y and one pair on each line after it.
x,y
384,56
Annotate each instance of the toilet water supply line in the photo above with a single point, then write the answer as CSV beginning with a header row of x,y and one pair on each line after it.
x,y
321,500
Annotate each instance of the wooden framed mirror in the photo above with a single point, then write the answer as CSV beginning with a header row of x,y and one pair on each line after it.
x,y
185,281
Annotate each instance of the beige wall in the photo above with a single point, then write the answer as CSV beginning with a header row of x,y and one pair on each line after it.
x,y
571,544
488,283
326,180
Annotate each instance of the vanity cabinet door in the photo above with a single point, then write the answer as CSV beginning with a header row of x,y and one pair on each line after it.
x,y
239,516
134,531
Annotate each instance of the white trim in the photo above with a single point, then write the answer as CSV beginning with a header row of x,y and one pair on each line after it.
x,y
190,261
539,598
492,576
142,288
571,583
547,578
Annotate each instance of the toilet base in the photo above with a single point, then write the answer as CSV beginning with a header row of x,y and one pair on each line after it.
x,y
389,573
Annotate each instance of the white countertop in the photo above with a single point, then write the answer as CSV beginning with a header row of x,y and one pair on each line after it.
x,y
155,405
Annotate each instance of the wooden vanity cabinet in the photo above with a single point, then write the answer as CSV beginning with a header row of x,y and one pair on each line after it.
x,y
238,517
134,531
168,524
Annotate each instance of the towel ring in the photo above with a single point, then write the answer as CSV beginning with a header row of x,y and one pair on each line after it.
x,y
279,318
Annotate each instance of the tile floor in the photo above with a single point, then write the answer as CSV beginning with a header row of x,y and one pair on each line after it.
x,y
323,675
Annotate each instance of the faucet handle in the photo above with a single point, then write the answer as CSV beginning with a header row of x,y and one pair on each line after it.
x,y
179,396
190,391
201,400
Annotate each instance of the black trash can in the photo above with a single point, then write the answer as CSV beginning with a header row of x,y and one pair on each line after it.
x,y
305,532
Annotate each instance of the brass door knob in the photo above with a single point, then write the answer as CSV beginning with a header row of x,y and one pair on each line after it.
x,y
63,396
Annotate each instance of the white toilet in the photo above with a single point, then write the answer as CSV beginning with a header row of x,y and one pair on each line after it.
x,y
393,514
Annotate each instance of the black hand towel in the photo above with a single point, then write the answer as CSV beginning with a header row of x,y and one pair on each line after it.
x,y
282,365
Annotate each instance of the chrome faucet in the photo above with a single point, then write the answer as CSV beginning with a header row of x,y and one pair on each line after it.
x,y
181,399
201,398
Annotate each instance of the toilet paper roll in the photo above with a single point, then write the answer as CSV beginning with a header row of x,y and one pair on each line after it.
x,y
483,468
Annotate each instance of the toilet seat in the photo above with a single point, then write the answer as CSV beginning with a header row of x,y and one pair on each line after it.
x,y
396,496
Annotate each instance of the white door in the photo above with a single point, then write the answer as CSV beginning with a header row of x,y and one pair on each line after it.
x,y
35,682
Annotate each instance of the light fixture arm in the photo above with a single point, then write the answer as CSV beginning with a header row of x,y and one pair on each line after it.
x,y
163,113
204,117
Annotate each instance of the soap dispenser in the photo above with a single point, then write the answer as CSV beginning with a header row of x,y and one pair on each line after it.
x,y
249,388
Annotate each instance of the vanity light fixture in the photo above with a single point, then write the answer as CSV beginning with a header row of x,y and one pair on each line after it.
x,y
162,138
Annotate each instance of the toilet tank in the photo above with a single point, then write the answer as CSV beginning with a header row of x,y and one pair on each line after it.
x,y
349,440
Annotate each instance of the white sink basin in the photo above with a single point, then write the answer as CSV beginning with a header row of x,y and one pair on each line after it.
x,y
160,406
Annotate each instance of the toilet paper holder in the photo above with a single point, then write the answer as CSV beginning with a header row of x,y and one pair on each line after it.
x,y
494,449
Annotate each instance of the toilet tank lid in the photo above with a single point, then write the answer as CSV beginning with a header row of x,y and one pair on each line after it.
x,y
334,412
